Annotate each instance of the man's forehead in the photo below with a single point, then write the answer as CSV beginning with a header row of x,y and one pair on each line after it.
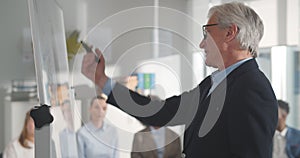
x,y
212,19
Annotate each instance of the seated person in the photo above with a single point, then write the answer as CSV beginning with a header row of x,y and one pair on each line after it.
x,y
156,142
97,138
286,139
23,146
67,136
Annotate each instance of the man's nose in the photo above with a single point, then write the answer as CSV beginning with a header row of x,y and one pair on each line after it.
x,y
201,45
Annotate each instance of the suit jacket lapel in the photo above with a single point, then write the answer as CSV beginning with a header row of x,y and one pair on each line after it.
x,y
205,87
204,101
247,66
213,103
288,145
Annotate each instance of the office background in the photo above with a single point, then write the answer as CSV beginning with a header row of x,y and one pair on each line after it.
x,y
281,19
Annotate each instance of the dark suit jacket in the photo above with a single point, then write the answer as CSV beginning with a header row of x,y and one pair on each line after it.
x,y
144,141
293,143
237,120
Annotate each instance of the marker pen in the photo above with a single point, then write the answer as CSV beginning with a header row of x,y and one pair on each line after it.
x,y
89,50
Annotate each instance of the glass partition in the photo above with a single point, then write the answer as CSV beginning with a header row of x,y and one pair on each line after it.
x,y
52,71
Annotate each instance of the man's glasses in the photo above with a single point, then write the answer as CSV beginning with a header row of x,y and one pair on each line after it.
x,y
204,29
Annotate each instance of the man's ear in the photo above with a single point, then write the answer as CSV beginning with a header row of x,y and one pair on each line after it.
x,y
232,32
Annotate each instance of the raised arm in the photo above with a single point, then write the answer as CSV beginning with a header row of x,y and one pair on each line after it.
x,y
93,70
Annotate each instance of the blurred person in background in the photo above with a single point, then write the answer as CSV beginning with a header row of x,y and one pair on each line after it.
x,y
156,142
23,146
67,137
97,138
286,139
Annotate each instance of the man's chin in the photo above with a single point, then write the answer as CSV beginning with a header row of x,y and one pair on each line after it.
x,y
210,65
207,63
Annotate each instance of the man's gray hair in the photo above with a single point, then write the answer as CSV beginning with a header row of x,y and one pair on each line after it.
x,y
251,28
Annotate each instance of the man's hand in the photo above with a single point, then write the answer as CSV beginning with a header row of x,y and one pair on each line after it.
x,y
94,70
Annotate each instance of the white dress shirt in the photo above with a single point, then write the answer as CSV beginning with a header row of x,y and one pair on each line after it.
x,y
15,150
279,144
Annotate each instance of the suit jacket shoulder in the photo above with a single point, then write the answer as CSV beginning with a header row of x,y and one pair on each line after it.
x,y
293,142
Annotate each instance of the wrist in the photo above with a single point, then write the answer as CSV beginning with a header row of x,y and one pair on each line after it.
x,y
101,82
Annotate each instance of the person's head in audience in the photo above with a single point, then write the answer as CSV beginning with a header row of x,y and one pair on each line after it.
x,y
98,109
27,133
283,111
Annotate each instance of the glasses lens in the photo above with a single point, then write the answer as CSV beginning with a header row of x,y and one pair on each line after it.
x,y
204,34
204,29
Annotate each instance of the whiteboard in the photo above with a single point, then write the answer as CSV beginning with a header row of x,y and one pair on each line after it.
x,y
52,74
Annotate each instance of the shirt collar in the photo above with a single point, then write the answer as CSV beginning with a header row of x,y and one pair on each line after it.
x,y
67,130
218,76
29,143
235,65
283,132
92,127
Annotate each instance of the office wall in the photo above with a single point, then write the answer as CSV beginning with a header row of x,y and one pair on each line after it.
x,y
281,20
126,29
130,23
14,18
